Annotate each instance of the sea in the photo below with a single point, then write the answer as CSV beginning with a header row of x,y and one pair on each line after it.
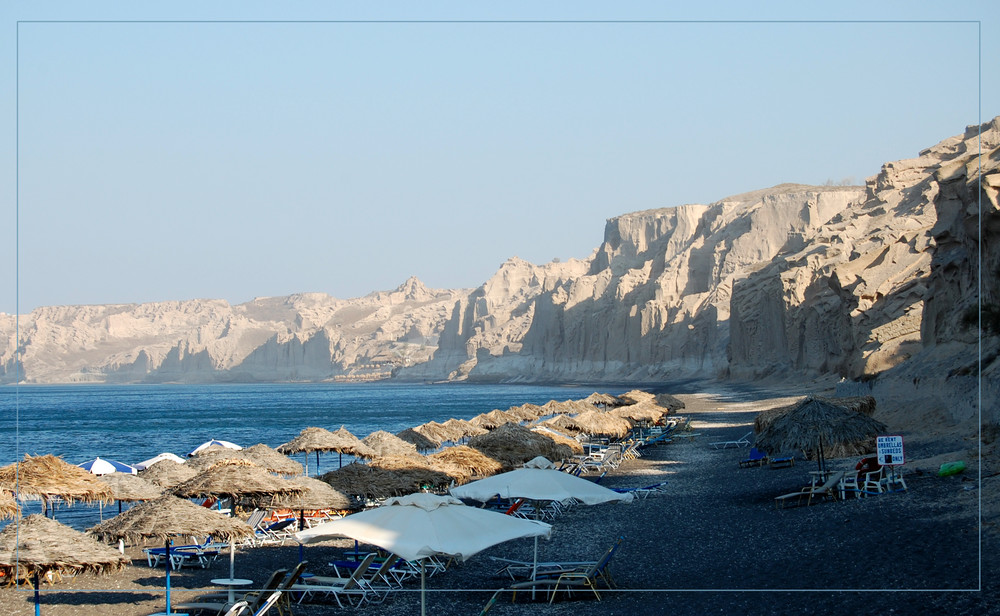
x,y
132,423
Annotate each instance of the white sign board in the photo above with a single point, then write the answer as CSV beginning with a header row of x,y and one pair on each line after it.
x,y
890,450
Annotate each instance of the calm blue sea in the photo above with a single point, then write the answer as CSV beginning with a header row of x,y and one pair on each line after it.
x,y
131,423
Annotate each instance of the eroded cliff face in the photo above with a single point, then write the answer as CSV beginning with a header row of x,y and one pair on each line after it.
x,y
652,302
789,281
792,280
308,337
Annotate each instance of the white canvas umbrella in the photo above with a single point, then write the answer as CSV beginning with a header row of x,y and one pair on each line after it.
x,y
163,456
538,480
421,525
214,443
102,466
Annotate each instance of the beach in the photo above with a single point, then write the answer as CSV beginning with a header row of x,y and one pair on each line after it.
x,y
712,541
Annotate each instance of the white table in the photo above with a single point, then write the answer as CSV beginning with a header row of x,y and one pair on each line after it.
x,y
232,583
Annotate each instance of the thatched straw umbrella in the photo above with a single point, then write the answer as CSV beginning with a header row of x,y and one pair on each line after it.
x,y
636,396
47,477
387,444
130,489
371,482
605,400
463,428
640,412
669,402
321,440
315,495
494,419
604,424
234,479
559,437
462,463
434,431
513,445
521,413
815,425
415,469
37,546
167,473
165,518
563,423
418,440
8,505
861,404
273,460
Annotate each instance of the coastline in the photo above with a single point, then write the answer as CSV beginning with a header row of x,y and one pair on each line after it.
x,y
712,542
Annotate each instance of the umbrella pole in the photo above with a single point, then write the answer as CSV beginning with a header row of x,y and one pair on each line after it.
x,y
168,576
302,526
341,454
317,462
232,558
307,464
38,597
423,598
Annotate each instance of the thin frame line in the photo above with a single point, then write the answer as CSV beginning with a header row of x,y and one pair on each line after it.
x,y
978,23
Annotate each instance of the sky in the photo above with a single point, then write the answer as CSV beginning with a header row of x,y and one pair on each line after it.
x,y
172,151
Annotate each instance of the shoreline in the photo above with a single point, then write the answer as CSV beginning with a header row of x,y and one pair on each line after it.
x,y
713,541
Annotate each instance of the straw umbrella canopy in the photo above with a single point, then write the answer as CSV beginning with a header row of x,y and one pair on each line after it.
x,y
168,517
559,437
8,505
605,424
47,477
861,404
415,469
513,445
37,546
463,428
234,479
636,396
815,425
259,455
167,473
494,419
418,440
131,488
322,440
598,399
370,482
462,463
640,412
522,413
435,431
387,444
315,495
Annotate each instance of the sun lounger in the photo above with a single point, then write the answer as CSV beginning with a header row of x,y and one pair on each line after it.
x,y
351,589
756,457
572,578
829,489
216,603
743,441
781,462
643,491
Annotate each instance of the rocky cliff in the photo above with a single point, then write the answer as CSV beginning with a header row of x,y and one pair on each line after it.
x,y
308,337
791,281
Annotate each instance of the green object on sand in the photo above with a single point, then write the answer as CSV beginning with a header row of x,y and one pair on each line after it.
x,y
951,468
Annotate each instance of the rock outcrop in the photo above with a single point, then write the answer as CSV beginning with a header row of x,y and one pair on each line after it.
x,y
791,281
305,337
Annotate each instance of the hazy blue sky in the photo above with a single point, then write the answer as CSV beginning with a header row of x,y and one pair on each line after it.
x,y
161,161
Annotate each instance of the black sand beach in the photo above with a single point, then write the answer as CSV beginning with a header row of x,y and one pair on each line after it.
x,y
711,543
